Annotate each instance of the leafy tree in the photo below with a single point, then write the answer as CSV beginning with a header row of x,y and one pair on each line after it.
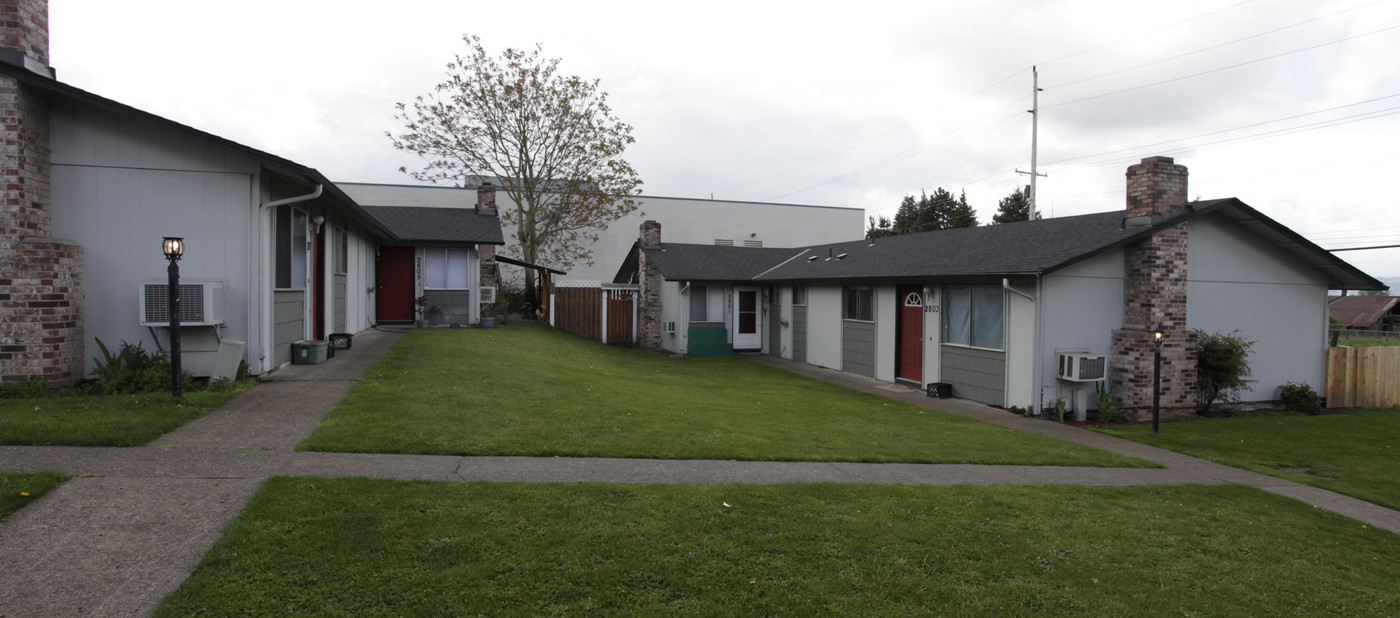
x,y
1014,207
549,140
1222,365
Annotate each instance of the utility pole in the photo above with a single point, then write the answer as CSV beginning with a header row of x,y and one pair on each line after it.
x,y
1035,130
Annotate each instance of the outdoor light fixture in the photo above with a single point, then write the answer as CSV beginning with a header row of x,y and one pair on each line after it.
x,y
1156,376
317,221
174,248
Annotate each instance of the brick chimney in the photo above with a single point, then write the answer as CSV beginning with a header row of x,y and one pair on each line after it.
x,y
41,294
651,234
649,329
486,199
1154,296
1156,187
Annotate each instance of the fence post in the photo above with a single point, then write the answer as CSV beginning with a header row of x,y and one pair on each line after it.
x,y
606,293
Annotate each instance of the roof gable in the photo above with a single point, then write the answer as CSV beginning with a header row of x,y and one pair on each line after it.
x,y
444,225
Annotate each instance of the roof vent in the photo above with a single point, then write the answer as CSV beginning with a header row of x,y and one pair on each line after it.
x,y
813,258
841,256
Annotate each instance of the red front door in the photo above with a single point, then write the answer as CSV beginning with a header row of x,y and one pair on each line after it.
x,y
911,333
394,291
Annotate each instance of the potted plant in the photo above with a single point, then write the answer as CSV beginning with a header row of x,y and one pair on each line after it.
x,y
423,310
489,311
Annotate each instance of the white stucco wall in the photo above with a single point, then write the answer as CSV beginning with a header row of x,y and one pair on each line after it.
x,y
117,187
682,221
824,325
933,333
1238,281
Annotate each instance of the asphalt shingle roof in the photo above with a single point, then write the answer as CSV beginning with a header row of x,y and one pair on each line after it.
x,y
445,225
679,261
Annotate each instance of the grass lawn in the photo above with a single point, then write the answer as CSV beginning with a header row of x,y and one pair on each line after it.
x,y
531,390
1356,453
19,489
102,420
315,546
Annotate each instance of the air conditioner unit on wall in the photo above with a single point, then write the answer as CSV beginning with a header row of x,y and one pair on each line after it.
x,y
488,294
201,303
1079,367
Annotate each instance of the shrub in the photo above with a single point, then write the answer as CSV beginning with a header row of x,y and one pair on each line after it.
x,y
1109,412
33,386
1300,398
131,370
1222,365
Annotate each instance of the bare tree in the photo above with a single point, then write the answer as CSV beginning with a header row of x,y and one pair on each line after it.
x,y
550,142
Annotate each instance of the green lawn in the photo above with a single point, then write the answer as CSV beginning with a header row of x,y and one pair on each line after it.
x,y
531,390
1356,453
102,420
316,546
18,489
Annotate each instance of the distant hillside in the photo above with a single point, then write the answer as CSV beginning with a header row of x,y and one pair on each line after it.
x,y
1393,282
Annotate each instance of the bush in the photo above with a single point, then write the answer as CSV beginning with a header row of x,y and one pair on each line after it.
x,y
1109,412
1222,366
1300,398
131,370
33,386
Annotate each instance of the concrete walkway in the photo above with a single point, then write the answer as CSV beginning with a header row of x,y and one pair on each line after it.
x,y
135,522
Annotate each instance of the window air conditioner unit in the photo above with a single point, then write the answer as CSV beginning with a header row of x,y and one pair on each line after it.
x,y
488,295
201,303
669,327
1082,367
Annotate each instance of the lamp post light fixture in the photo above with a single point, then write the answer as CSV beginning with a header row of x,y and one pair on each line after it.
x,y
1156,376
174,248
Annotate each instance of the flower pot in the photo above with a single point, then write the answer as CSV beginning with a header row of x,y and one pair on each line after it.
x,y
488,322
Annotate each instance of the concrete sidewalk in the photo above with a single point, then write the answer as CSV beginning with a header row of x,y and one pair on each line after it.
x,y
136,521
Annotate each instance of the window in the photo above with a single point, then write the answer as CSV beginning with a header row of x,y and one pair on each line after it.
x,y
445,269
706,303
973,316
290,240
860,303
342,252
775,295
799,296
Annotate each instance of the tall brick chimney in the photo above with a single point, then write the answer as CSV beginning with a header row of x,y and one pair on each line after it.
x,y
649,328
1154,295
1156,186
651,234
41,295
486,199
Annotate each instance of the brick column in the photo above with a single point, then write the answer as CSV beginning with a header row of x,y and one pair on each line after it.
x,y
1154,296
41,294
649,288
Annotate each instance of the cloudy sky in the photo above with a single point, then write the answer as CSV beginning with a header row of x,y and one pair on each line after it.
x,y
1288,105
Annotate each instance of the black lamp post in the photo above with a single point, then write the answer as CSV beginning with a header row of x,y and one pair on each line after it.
x,y
174,248
1156,376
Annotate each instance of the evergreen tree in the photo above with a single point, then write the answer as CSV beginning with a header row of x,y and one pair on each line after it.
x,y
960,213
1014,207
880,229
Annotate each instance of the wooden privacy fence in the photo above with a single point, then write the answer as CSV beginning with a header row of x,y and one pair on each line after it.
x,y
1363,377
605,313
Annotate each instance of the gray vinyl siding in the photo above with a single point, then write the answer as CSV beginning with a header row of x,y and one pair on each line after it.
x,y
858,348
289,323
338,323
799,333
775,331
454,304
976,374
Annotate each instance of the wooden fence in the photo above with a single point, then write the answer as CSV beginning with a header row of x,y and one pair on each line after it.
x,y
1363,377
604,313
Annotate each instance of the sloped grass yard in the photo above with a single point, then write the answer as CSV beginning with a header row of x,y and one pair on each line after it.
x,y
316,546
532,390
1356,453
102,420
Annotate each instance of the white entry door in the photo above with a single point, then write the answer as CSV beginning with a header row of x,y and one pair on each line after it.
x,y
748,319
